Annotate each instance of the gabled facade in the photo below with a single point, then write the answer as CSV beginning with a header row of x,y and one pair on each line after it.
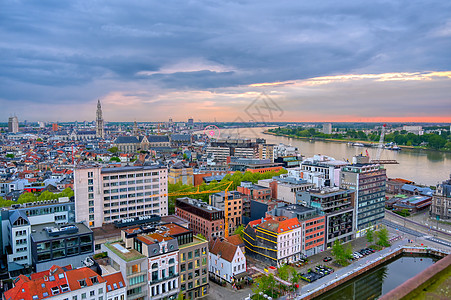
x,y
227,261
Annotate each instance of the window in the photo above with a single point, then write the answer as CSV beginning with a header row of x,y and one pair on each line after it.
x,y
190,255
100,291
74,297
55,290
92,293
83,296
190,266
82,284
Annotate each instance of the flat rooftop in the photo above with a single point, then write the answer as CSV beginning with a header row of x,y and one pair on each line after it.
x,y
195,241
200,205
42,235
125,254
130,169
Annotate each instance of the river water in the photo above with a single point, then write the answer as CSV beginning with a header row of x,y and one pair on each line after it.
x,y
380,280
421,166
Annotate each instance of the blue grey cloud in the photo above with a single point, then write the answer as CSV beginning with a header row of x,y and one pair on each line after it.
x,y
88,48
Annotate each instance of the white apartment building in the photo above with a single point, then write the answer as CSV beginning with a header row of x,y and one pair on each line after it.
x,y
104,195
289,242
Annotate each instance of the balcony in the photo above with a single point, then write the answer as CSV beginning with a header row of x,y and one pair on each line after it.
x,y
131,275
136,296
163,279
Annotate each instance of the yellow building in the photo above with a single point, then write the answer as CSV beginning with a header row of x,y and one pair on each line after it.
x,y
178,173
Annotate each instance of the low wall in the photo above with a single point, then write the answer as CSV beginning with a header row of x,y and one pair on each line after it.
x,y
420,281
382,260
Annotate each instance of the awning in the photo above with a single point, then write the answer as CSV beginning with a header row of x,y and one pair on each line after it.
x,y
241,275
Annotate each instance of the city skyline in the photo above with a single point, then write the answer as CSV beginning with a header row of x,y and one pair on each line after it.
x,y
377,62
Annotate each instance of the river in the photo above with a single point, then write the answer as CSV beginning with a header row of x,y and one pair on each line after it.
x,y
380,280
421,166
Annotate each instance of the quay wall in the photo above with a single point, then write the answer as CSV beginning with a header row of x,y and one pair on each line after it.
x,y
359,271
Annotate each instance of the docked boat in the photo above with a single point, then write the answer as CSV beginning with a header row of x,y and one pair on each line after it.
x,y
358,145
392,146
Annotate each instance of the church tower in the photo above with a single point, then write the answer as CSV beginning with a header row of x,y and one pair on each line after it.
x,y
135,129
99,121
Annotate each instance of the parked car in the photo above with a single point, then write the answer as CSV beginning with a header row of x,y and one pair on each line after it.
x,y
327,258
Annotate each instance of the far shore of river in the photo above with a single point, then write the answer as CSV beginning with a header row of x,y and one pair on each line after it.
x,y
349,141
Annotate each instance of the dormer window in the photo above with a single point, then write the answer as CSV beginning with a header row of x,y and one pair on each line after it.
x,y
94,279
64,288
82,283
55,290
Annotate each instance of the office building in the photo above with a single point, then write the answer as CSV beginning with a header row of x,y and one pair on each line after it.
x,y
368,182
106,195
60,244
327,128
204,219
234,207
13,124
338,207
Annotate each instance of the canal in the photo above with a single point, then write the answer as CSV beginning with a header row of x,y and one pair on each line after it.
x,y
382,279
421,166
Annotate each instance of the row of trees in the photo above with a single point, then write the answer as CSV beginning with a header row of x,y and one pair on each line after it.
x,y
236,179
33,197
431,140
343,253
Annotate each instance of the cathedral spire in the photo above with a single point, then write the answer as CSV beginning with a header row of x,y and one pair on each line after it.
x,y
99,121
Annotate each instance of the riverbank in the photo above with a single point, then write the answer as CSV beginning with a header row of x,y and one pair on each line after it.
x,y
351,141
381,257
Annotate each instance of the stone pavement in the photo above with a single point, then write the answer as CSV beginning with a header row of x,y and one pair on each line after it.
x,y
218,292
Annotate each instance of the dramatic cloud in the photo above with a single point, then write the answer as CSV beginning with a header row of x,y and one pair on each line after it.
x,y
148,59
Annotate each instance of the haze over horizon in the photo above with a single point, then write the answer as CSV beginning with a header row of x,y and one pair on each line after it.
x,y
148,61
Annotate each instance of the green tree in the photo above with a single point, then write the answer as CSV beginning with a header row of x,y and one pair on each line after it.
x,y
46,195
347,252
115,158
436,141
10,155
341,253
284,271
27,198
265,284
382,236
370,235
6,203
67,192
294,277
240,230
113,150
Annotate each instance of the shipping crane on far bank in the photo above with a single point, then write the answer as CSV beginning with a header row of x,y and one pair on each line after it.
x,y
380,147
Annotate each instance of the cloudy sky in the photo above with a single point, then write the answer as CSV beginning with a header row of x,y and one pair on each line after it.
x,y
293,60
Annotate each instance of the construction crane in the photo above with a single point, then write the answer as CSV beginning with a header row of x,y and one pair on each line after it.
x,y
380,146
226,184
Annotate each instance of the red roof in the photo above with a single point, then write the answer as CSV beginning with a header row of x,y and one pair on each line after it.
x,y
61,279
114,281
